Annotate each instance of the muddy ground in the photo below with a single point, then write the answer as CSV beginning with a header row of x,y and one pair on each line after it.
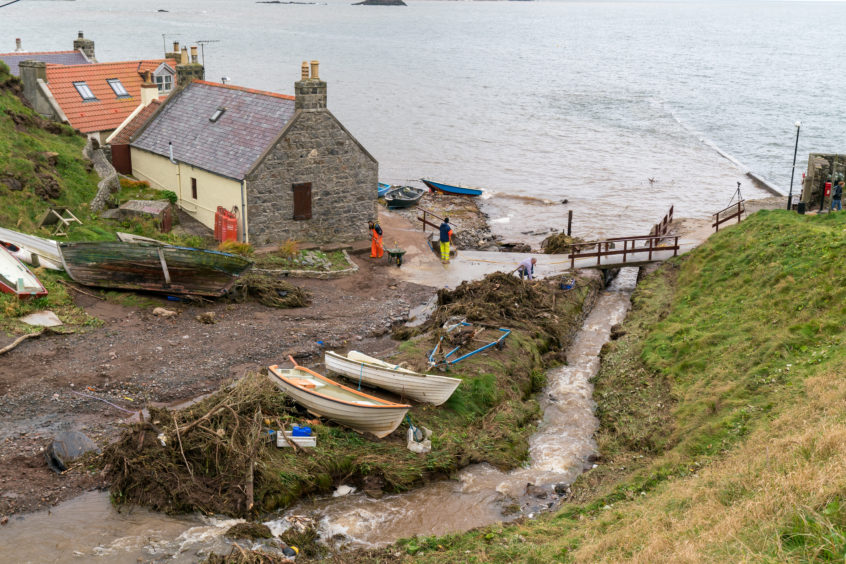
x,y
135,358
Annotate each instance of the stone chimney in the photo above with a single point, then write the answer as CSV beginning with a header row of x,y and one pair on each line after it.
x,y
18,47
30,72
175,54
189,69
149,91
310,91
87,46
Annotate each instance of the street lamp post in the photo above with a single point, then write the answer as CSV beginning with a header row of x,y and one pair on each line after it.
x,y
798,124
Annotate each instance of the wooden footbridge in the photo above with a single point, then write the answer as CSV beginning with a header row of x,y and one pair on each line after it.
x,y
424,268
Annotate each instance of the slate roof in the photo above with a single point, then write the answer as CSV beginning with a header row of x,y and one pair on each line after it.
x,y
229,146
108,111
122,138
54,57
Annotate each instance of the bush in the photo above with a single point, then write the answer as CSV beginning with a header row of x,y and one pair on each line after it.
x,y
170,196
236,247
289,249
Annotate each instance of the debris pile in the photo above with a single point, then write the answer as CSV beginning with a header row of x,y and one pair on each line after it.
x,y
559,243
268,291
504,300
208,457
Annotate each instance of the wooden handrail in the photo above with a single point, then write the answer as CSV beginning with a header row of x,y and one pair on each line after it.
x,y
741,209
651,247
425,220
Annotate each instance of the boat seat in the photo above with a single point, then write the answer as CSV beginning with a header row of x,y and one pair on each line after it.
x,y
305,383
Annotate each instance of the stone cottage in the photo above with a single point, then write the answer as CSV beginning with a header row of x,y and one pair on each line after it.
x,y
284,165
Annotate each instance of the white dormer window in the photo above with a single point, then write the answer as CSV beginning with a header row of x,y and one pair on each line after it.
x,y
216,115
165,83
84,91
118,87
163,76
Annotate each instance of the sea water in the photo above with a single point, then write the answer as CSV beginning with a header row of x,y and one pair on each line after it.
x,y
620,108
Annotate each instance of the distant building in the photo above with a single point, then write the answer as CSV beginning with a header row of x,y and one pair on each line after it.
x,y
82,54
97,98
284,165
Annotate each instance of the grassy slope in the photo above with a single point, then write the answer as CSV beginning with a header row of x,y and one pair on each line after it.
x,y
722,414
24,148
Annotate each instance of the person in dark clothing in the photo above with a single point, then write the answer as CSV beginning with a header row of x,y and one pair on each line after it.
x,y
836,196
445,238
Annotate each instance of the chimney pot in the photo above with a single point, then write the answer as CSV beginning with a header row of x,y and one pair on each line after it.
x,y
184,58
194,54
176,46
18,46
81,36
304,71
314,65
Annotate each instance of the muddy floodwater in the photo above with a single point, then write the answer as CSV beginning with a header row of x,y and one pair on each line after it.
x,y
89,528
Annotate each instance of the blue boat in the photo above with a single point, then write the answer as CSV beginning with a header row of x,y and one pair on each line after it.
x,y
383,189
450,189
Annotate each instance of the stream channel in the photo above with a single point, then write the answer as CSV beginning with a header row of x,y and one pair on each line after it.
x,y
89,528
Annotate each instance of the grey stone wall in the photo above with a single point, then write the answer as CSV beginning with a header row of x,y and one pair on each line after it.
x,y
30,72
188,72
344,177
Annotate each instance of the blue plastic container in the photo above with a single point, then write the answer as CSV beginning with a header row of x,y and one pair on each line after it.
x,y
301,431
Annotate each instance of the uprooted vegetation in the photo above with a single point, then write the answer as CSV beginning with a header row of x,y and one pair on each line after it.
x,y
559,243
721,414
216,457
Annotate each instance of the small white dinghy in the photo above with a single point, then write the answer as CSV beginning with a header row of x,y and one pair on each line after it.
x,y
427,388
341,404
31,249
15,278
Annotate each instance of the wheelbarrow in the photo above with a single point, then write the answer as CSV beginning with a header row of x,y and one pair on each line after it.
x,y
395,255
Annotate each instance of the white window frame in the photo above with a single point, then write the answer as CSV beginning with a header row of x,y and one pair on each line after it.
x,y
118,88
164,78
84,91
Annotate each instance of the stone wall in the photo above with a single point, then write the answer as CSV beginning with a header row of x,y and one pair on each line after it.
x,y
344,177
187,72
822,168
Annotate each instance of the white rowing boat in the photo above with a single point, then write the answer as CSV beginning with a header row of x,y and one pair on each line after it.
x,y
15,278
341,404
428,388
33,250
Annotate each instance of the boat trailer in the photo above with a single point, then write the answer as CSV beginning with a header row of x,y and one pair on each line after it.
x,y
447,362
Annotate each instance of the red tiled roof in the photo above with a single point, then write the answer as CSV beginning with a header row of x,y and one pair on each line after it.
x,y
140,119
107,111
242,89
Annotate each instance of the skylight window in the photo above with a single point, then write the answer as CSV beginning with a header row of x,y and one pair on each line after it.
x,y
216,115
118,87
84,91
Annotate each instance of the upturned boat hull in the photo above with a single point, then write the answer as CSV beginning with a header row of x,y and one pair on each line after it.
x,y
327,398
426,388
15,278
35,251
152,268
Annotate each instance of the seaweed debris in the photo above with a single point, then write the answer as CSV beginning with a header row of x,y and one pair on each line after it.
x,y
269,291
504,300
560,243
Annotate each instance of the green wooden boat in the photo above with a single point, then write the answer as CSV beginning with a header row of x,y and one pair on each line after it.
x,y
152,268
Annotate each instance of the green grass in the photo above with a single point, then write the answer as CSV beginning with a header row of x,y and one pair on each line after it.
x,y
25,155
711,414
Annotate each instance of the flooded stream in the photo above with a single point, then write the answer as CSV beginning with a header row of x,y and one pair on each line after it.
x,y
89,528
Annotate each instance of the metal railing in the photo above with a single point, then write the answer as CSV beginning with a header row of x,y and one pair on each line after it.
x,y
738,210
609,247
